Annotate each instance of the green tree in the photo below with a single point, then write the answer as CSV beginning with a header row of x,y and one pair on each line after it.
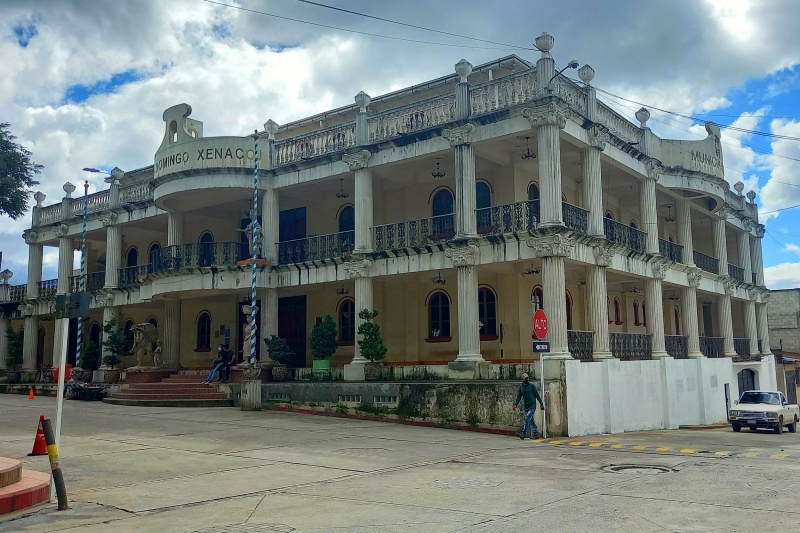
x,y
89,356
370,342
114,343
14,356
279,350
323,338
16,174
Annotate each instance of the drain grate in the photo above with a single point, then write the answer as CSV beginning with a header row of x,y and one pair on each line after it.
x,y
637,470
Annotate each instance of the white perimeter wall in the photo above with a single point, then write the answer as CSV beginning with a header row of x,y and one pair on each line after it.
x,y
614,396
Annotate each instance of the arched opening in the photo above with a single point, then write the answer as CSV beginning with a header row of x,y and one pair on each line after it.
x,y
483,204
617,312
132,257
94,334
677,316
634,225
347,322
203,337
439,315
206,250
644,315
127,335
747,380
670,238
154,253
153,320
487,313
537,298
533,205
347,226
173,132
636,321
443,222
609,215
569,310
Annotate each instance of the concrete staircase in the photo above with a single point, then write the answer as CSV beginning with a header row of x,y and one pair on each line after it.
x,y
184,389
20,489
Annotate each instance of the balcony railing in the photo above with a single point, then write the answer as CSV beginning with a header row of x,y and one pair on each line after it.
x,y
677,346
48,288
575,217
131,276
712,346
581,344
413,117
316,248
326,141
17,293
195,255
631,346
510,218
95,281
414,233
736,272
624,235
706,262
670,250
504,92
741,346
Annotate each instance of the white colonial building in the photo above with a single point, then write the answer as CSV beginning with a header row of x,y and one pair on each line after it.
x,y
452,207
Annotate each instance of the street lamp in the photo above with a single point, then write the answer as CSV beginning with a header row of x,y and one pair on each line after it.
x,y
109,179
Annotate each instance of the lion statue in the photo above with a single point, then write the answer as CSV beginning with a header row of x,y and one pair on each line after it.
x,y
144,338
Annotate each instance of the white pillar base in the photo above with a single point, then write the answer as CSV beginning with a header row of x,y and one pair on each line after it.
x,y
354,371
695,355
468,369
600,356
661,355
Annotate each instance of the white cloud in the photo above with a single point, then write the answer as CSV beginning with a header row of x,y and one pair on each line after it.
x,y
782,276
783,188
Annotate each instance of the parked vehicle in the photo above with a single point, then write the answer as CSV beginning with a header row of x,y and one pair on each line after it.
x,y
764,409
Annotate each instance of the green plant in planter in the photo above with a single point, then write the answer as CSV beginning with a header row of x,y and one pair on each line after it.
x,y
370,342
14,357
324,343
279,350
114,343
89,356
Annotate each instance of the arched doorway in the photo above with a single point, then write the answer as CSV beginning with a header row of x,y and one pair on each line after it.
x,y
347,226
747,380
205,250
442,224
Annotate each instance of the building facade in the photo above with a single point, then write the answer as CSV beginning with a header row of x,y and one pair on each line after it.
x,y
454,208
784,331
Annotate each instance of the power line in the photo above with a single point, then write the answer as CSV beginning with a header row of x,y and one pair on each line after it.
x,y
368,34
410,25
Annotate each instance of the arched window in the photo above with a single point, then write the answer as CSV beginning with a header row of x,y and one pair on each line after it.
x,y
644,315
153,253
439,315
205,250
153,320
347,226
94,334
533,192
487,311
617,314
533,205
442,225
127,335
636,321
537,297
132,258
677,314
203,331
634,225
483,203
569,310
609,215
347,321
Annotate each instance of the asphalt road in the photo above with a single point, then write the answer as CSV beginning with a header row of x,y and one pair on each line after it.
x,y
224,470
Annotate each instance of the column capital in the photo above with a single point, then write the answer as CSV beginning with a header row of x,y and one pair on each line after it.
x,y
654,168
765,294
31,237
604,255
598,137
729,284
460,135
108,219
357,160
357,269
554,245
546,115
61,230
760,230
660,267
748,225
694,276
722,214
105,299
27,310
464,255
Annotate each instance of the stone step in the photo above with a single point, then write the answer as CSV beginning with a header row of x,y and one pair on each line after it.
x,y
164,386
186,379
10,471
170,403
32,489
171,395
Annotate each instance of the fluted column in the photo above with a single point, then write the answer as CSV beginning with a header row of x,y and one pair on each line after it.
x,y
363,198
270,217
172,334
269,315
553,248
720,243
758,258
462,108
592,181
763,325
655,306
465,259
649,214
460,138
689,315
110,312
65,258
548,120
5,323
358,271
743,242
750,325
683,215
725,318
113,250
598,303
30,342
35,252
174,228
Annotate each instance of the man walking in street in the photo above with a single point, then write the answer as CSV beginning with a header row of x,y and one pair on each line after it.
x,y
529,395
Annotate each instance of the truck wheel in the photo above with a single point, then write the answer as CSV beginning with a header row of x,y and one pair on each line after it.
x,y
736,428
793,426
779,428
752,428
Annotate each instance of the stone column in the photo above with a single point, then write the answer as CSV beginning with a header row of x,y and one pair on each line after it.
x,y
270,217
172,334
466,222
358,271
725,319
683,214
363,198
113,249
5,323
763,325
720,244
592,181
469,363
35,252
269,316
110,312
553,248
750,325
30,341
549,119
649,214
758,258
598,302
689,314
655,305
66,250
174,228
743,242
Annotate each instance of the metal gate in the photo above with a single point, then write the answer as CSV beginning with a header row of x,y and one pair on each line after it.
x,y
747,380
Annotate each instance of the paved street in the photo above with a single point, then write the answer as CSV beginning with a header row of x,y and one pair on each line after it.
x,y
221,470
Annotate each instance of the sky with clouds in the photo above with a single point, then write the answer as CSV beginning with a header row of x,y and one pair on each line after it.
x,y
84,82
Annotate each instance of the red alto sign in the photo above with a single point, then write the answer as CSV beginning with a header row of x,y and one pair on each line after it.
x,y
540,324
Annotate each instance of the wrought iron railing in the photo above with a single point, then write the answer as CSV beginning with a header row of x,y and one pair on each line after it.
x,y
415,233
712,346
131,276
677,346
575,217
195,255
48,288
631,346
736,272
741,346
17,293
706,262
670,250
316,248
624,235
510,218
581,344
95,281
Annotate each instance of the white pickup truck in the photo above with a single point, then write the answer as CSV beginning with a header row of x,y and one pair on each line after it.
x,y
764,409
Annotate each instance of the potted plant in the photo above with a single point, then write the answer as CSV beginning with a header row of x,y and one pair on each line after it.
x,y
279,352
14,356
114,345
88,362
323,344
370,343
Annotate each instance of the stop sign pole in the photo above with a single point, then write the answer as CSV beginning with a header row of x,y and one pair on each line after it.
x,y
540,327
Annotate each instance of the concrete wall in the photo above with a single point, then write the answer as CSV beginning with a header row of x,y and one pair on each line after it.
x,y
783,310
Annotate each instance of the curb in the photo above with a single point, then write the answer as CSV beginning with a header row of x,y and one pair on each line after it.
x,y
710,426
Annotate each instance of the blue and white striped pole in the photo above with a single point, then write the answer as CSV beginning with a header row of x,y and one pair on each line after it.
x,y
253,308
82,278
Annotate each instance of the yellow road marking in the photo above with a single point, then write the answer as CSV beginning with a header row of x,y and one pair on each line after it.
x,y
596,444
688,450
663,449
537,440
778,456
639,447
722,454
616,446
576,443
555,442
750,454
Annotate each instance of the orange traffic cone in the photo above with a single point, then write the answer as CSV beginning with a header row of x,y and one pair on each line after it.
x,y
30,394
39,445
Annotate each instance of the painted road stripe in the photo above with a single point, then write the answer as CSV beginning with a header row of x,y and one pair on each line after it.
x,y
663,449
688,450
596,444
778,456
722,454
639,447
750,454
617,446
576,443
